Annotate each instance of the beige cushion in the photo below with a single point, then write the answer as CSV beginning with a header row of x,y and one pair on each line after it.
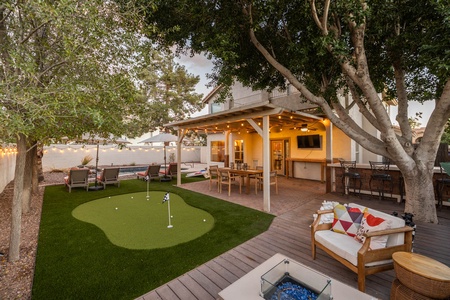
x,y
343,245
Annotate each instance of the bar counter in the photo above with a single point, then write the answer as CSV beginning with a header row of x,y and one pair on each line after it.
x,y
365,171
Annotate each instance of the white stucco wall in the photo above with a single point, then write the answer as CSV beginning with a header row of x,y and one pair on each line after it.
x,y
7,169
64,156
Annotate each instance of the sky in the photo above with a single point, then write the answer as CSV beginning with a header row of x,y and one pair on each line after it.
x,y
201,66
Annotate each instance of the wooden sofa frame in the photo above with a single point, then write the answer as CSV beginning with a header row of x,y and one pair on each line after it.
x,y
365,255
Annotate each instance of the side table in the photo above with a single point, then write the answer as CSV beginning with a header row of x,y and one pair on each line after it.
x,y
420,276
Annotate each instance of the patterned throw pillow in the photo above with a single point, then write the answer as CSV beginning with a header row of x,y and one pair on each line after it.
x,y
346,219
371,223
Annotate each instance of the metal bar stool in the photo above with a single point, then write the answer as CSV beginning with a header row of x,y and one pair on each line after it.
x,y
381,176
443,181
350,177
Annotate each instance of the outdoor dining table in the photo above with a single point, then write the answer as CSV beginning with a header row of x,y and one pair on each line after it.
x,y
243,173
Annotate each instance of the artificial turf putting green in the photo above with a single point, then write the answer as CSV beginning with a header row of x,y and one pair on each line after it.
x,y
135,221
76,260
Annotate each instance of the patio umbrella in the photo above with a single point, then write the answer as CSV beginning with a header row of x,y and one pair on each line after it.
x,y
165,138
95,139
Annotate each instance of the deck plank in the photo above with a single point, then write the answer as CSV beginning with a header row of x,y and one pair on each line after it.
x,y
289,234
195,288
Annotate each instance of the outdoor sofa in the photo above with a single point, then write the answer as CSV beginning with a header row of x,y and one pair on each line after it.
x,y
341,239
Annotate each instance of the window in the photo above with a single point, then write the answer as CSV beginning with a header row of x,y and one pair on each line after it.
x,y
239,151
218,151
216,107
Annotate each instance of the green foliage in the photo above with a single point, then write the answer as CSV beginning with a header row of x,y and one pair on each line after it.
x,y
169,90
84,263
69,67
406,32
87,159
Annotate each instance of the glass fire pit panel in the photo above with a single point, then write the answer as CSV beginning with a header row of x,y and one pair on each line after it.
x,y
289,280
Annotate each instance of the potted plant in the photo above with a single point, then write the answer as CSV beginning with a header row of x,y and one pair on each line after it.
x,y
85,160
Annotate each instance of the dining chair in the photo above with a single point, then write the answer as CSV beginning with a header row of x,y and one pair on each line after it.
x,y
273,180
228,178
213,172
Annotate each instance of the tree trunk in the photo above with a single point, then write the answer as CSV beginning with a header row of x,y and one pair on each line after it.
x,y
420,197
16,214
28,171
36,169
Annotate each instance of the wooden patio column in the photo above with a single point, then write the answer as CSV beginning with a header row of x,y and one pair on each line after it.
x,y
329,155
227,148
179,142
266,163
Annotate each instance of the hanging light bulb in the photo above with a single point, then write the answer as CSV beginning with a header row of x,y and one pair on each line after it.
x,y
304,127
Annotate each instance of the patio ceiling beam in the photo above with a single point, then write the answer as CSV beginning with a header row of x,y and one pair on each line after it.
x,y
308,115
226,119
255,126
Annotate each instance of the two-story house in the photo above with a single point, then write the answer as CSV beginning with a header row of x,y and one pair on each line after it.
x,y
274,131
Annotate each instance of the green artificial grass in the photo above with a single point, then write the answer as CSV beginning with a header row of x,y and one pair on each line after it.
x,y
141,221
75,259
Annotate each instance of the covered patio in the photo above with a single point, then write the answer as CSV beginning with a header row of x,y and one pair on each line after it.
x,y
289,235
262,118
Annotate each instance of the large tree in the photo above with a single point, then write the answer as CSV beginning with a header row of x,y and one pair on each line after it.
x,y
169,90
325,48
66,68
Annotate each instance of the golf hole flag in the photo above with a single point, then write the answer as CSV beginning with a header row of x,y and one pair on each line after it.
x,y
166,197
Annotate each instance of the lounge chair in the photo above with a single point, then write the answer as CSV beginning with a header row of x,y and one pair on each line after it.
x,y
170,171
109,176
152,172
77,178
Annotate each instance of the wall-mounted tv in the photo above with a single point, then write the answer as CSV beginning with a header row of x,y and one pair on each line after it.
x,y
312,141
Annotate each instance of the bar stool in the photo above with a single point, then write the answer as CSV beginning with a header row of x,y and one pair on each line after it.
x,y
442,182
350,177
381,176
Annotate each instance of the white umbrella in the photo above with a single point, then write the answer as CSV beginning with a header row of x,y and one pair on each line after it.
x,y
162,138
95,139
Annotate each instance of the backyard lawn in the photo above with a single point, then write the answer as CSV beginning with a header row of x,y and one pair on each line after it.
x,y
75,259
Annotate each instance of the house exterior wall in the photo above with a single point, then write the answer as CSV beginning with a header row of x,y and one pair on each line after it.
x,y
343,147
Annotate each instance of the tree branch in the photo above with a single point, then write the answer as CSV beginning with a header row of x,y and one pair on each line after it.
x,y
314,15
33,32
402,115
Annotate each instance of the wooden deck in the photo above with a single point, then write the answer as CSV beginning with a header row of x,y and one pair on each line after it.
x,y
289,235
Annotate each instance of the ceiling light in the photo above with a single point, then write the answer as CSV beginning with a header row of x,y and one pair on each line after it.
x,y
304,127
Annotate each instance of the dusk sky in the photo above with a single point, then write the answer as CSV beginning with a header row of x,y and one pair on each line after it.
x,y
200,65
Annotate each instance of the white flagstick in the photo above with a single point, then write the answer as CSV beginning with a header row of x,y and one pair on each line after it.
x,y
148,180
167,198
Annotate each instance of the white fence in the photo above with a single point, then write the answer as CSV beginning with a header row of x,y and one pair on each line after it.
x,y
7,168
67,156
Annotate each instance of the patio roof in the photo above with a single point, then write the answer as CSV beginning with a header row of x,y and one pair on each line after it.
x,y
235,119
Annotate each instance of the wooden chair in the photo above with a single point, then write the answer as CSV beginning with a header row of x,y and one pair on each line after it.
x,y
272,181
77,178
109,176
225,177
213,172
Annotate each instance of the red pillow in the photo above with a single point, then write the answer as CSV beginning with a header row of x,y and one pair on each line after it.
x,y
371,223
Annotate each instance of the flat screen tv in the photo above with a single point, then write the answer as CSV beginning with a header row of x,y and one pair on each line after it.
x,y
312,141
